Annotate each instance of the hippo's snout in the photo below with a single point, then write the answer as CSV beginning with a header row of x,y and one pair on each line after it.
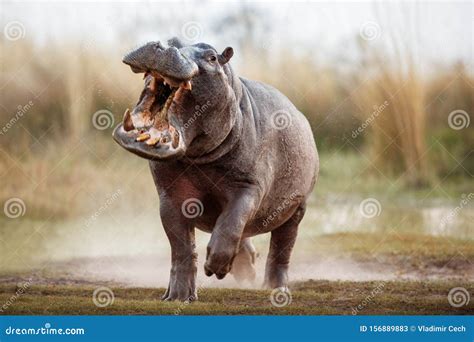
x,y
168,62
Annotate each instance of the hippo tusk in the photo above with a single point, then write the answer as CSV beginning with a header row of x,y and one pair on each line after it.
x,y
152,85
174,137
127,121
143,137
187,85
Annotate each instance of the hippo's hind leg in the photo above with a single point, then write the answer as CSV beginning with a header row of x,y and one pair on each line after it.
x,y
243,266
281,244
182,283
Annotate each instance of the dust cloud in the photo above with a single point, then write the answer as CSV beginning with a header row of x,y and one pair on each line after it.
x,y
118,250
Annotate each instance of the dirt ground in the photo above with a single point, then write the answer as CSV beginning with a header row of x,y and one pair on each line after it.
x,y
404,275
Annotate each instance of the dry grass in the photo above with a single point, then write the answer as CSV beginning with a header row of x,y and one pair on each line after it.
x,y
63,86
449,90
391,100
68,84
73,179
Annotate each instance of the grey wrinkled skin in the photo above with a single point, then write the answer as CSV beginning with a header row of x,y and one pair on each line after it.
x,y
245,152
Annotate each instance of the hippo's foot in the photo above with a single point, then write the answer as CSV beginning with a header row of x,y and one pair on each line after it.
x,y
276,276
243,267
220,255
219,264
182,285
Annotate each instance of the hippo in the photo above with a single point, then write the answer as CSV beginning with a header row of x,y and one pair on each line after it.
x,y
229,156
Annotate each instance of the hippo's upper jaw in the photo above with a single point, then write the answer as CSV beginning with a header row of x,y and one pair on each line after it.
x,y
170,62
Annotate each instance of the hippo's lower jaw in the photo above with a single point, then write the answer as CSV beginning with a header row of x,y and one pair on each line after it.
x,y
169,146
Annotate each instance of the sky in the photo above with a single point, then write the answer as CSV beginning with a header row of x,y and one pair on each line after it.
x,y
438,31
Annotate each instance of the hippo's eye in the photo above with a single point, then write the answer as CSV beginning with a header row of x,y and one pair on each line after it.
x,y
212,58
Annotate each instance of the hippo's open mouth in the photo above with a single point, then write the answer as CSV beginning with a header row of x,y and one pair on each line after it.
x,y
150,129
147,131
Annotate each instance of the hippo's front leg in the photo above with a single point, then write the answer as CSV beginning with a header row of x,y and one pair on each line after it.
x,y
182,284
227,232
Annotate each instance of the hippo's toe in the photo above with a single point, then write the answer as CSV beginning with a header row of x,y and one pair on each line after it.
x,y
181,293
219,264
182,285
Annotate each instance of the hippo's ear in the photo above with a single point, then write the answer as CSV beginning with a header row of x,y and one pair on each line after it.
x,y
176,42
226,55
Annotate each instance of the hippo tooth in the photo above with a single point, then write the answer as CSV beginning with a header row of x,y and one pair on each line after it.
x,y
143,137
187,85
152,85
174,137
127,121
152,141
